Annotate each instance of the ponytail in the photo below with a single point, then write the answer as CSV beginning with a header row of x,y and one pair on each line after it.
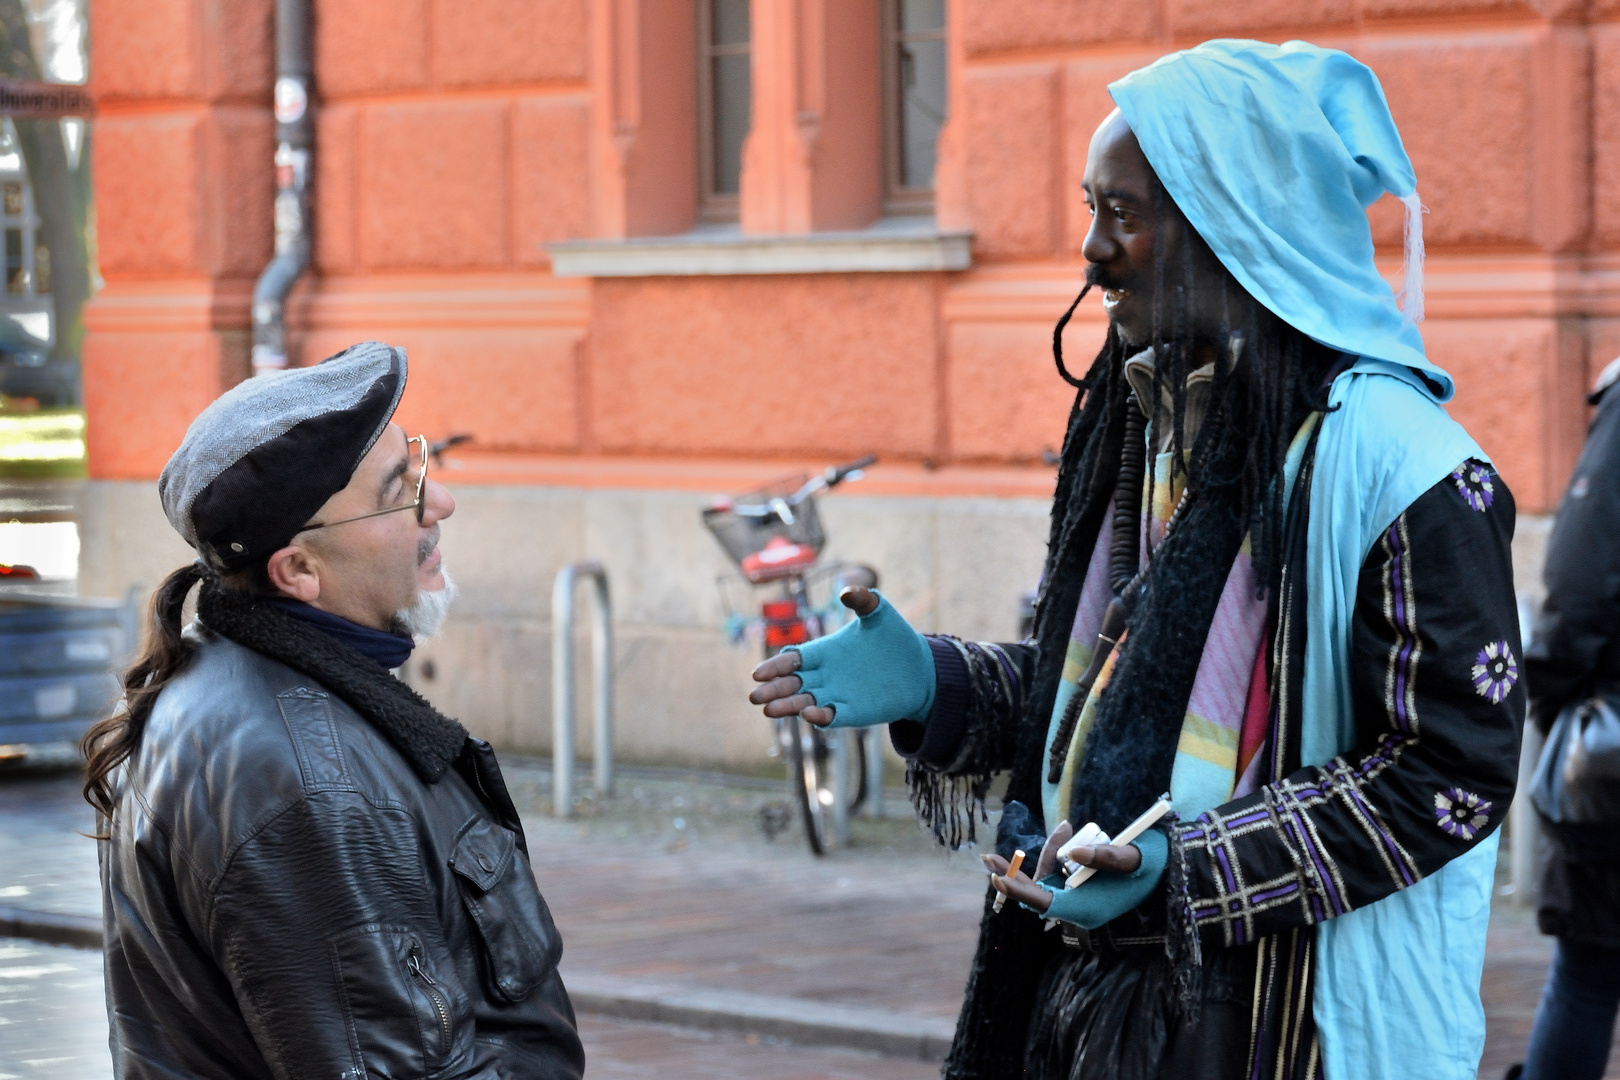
x,y
164,653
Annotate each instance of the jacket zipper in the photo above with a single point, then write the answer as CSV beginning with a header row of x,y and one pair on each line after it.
x,y
413,963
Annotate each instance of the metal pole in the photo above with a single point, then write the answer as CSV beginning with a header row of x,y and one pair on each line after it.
x,y
562,693
838,761
602,660
295,144
876,738
1524,828
562,683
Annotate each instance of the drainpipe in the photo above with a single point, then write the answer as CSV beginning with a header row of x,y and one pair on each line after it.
x,y
295,143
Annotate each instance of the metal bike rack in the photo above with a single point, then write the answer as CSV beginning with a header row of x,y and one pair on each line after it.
x,y
1524,830
562,683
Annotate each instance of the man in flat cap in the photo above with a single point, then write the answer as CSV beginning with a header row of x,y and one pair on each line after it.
x,y
306,869
1278,587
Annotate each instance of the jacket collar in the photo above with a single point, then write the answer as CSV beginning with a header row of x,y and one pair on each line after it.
x,y
427,738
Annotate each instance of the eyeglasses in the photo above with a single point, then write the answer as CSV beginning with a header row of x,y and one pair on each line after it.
x,y
416,504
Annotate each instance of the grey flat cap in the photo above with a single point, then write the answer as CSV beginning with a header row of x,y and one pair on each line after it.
x,y
263,458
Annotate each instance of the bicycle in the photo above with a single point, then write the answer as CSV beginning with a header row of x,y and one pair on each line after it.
x,y
775,537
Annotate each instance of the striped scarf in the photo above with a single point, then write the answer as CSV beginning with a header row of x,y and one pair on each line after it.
x,y
1218,757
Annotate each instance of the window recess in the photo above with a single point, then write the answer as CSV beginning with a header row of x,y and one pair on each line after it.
x,y
725,104
914,101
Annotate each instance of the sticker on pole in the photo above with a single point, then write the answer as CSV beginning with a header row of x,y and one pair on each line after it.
x,y
19,97
291,100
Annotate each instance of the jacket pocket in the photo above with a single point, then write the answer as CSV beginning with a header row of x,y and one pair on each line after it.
x,y
517,939
401,1017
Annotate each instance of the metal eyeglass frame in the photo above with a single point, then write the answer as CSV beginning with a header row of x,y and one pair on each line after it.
x,y
417,504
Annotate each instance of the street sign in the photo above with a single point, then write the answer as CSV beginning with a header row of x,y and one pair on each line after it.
x,y
20,98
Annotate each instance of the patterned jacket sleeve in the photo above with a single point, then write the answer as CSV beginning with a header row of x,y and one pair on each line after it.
x,y
1437,702
978,699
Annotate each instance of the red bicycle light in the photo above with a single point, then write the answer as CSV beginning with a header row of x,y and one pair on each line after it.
x,y
777,637
18,572
783,625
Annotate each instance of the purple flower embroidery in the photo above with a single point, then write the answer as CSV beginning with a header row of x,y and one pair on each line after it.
x,y
1473,482
1461,813
1495,671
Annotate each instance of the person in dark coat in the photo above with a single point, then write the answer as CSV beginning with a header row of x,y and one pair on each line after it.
x,y
307,870
1575,656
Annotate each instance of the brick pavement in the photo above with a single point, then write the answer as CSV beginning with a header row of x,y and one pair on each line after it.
x,y
670,882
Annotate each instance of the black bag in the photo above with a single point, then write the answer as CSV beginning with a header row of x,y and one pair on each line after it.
x,y
1577,783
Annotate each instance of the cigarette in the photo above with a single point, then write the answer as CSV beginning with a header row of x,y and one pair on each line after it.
x,y
1017,861
1130,833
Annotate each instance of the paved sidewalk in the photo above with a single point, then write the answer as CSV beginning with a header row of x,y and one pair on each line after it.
x,y
669,898
53,1025
672,904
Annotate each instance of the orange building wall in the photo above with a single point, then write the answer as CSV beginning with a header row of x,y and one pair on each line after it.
x,y
457,138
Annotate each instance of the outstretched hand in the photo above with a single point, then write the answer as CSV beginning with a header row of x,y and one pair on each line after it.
x,y
1115,858
781,693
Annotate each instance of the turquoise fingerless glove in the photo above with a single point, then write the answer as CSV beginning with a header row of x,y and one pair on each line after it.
x,y
1105,897
874,670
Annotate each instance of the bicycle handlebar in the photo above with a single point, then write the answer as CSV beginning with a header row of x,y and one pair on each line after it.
x,y
831,477
837,474
437,447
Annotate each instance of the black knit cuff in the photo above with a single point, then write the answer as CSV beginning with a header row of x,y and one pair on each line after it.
x,y
938,742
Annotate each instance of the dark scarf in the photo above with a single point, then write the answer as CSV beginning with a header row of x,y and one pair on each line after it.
x,y
384,646
428,739
1014,950
1129,753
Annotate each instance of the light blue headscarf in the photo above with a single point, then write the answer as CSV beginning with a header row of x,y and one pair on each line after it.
x,y
1273,153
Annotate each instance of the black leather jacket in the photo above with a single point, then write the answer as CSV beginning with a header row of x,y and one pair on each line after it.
x,y
285,895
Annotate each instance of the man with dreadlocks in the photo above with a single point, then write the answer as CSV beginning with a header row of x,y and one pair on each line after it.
x,y
1278,586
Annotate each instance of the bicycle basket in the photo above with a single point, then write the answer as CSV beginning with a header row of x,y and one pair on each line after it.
x,y
748,522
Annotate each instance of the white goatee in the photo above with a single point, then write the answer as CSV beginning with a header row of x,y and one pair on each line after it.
x,y
425,618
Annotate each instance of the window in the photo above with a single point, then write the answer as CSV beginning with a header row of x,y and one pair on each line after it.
x,y
25,279
725,100
914,101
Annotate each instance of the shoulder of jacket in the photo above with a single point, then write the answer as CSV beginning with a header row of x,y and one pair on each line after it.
x,y
1606,378
248,707
247,728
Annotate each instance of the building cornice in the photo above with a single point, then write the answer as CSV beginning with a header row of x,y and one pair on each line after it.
x,y
893,245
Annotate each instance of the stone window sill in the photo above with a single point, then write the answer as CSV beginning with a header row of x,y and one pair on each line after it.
x,y
892,245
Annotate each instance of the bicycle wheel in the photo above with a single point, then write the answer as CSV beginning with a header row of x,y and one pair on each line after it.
x,y
807,772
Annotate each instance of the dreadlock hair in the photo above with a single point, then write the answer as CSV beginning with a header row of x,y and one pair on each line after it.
x,y
164,654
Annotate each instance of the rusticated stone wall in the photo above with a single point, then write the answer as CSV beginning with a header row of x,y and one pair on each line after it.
x,y
459,138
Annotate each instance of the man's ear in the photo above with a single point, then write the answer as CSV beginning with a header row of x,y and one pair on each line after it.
x,y
295,572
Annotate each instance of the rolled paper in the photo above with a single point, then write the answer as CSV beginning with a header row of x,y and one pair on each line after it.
x,y
1017,862
1126,836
